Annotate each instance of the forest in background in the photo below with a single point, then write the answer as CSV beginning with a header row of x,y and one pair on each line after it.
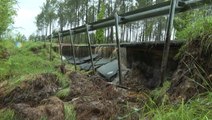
x,y
57,15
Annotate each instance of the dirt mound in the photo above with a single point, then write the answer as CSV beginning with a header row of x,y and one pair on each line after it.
x,y
194,70
94,98
50,109
32,91
142,77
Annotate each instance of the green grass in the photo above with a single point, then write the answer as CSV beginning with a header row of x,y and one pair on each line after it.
x,y
7,114
63,93
195,109
23,61
27,61
70,114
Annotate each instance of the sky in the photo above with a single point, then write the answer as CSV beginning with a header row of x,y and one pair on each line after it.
x,y
27,10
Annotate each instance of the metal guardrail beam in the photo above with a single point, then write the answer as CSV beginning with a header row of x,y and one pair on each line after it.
x,y
140,14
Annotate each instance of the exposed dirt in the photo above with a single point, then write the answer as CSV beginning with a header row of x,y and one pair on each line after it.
x,y
193,73
51,109
95,99
142,77
92,97
32,91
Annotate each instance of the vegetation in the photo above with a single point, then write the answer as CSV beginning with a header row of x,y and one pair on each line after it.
x,y
7,11
197,108
20,61
69,114
7,114
24,62
100,33
195,56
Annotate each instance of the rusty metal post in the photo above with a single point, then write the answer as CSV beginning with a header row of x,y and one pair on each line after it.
x,y
60,47
167,41
89,45
73,48
117,19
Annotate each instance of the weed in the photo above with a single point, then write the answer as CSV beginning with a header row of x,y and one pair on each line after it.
x,y
63,93
70,114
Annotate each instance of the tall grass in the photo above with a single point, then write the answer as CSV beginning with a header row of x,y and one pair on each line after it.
x,y
195,109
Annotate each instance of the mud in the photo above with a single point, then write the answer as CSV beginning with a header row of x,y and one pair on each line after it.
x,y
50,109
32,91
192,76
142,77
95,99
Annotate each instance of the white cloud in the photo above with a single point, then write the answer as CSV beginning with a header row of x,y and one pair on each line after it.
x,y
27,11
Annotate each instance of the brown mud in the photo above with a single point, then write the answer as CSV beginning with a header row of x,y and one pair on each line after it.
x,y
192,76
95,99
32,91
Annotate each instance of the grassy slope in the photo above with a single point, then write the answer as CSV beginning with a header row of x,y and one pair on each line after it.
x,y
160,108
18,64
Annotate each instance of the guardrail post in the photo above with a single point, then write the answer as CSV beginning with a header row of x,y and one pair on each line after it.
x,y
60,47
167,41
73,48
50,49
89,44
117,19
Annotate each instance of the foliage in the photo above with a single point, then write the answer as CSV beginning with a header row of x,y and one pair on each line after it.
x,y
63,93
200,30
7,114
197,108
30,59
69,112
197,29
100,33
7,11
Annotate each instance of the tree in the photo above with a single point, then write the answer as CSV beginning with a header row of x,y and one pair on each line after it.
x,y
7,12
100,33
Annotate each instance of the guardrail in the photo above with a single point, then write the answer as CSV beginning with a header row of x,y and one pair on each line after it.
x,y
139,14
164,8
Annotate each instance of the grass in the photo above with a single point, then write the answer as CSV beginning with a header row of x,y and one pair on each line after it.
x,y
159,107
7,114
63,93
22,63
198,108
70,114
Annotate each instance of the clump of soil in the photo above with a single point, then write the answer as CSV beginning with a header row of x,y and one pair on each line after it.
x,y
94,98
51,109
142,77
32,91
194,70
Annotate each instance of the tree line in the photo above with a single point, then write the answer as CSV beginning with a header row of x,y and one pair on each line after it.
x,y
67,14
